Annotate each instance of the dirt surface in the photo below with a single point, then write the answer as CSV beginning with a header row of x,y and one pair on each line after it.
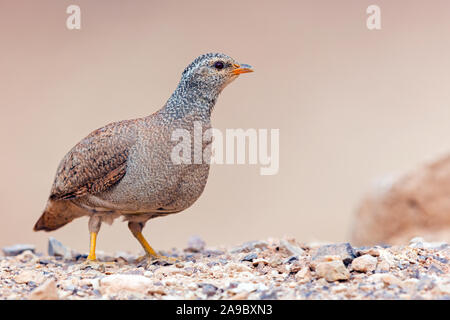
x,y
271,269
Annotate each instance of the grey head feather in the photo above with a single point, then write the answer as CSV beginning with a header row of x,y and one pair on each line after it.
x,y
201,59
197,91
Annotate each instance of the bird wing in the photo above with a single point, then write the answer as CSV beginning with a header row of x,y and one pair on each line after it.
x,y
96,163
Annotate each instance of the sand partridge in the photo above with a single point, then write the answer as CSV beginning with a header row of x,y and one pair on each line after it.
x,y
125,168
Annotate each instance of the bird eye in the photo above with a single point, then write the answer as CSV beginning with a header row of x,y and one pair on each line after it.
x,y
218,65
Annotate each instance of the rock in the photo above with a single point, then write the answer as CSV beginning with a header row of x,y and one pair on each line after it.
x,y
208,289
245,287
402,207
71,288
236,267
46,291
442,289
250,257
125,256
383,266
57,249
373,251
18,249
103,256
166,271
275,262
250,246
365,263
387,278
332,271
303,276
26,256
240,296
387,260
268,295
261,261
435,269
426,283
410,284
44,261
419,242
27,276
296,266
343,250
292,248
290,259
258,244
114,284
314,263
195,244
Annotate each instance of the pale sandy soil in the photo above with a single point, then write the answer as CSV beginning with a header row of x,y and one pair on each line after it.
x,y
270,269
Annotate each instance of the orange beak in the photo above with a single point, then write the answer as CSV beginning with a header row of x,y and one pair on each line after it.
x,y
243,68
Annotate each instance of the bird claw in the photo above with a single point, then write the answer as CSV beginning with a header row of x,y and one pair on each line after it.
x,y
156,259
96,265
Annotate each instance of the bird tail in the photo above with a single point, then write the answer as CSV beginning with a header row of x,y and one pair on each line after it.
x,y
57,213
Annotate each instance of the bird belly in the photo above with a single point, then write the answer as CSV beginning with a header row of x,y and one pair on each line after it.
x,y
160,194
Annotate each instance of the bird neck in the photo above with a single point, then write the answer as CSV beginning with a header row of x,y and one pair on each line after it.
x,y
191,99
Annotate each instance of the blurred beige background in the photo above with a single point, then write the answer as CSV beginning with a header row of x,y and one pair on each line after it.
x,y
351,105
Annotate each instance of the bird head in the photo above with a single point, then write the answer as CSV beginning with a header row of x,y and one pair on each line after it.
x,y
213,72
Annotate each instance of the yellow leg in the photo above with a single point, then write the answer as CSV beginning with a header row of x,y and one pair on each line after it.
x,y
148,249
91,256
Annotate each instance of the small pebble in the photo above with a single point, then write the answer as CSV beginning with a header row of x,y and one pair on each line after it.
x,y
195,244
250,257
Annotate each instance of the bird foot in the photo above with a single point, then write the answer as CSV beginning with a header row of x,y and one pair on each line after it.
x,y
97,265
156,259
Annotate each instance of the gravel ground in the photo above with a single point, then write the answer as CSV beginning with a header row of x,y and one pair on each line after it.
x,y
271,269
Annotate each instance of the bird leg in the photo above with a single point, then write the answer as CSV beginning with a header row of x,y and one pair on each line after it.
x,y
91,255
136,230
95,222
94,227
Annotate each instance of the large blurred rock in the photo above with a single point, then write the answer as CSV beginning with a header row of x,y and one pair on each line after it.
x,y
47,291
398,209
18,249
